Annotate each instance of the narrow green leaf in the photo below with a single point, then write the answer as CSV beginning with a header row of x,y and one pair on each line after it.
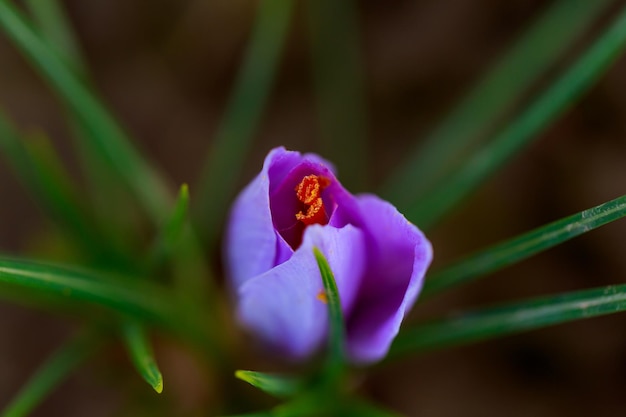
x,y
106,138
528,125
34,161
171,230
500,321
56,368
55,30
177,220
141,354
524,246
492,98
140,299
335,315
243,113
277,385
178,244
339,80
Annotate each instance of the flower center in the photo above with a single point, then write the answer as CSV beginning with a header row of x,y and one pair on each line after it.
x,y
309,192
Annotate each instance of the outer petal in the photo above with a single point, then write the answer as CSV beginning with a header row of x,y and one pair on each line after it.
x,y
283,306
398,256
251,241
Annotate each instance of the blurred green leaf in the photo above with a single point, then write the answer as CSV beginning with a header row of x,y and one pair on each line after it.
x,y
170,232
34,161
51,374
106,138
336,354
141,354
243,113
178,244
277,385
54,27
491,98
339,81
500,321
138,298
559,96
173,228
524,246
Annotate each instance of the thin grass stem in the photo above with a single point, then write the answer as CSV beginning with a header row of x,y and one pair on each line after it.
x,y
521,247
244,110
491,99
560,96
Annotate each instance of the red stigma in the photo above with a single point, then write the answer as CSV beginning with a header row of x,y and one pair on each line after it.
x,y
309,192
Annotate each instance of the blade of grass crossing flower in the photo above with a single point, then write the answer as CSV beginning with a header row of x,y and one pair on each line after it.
x,y
336,355
106,138
234,135
58,367
527,126
500,321
339,86
536,51
524,246
141,354
54,27
277,385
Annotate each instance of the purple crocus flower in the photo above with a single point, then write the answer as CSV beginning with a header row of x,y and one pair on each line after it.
x,y
378,258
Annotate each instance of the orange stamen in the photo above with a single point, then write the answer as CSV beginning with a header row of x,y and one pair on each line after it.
x,y
309,192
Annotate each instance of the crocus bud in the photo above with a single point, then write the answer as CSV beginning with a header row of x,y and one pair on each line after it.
x,y
378,258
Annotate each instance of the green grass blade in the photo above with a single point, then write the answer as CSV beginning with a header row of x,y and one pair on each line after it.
x,y
524,246
178,244
339,80
277,385
128,296
243,113
527,126
49,186
141,354
536,51
106,137
500,321
58,367
36,165
55,29
336,355
175,225
171,231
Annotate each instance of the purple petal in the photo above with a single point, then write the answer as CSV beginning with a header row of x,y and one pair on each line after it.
x,y
251,242
398,255
283,305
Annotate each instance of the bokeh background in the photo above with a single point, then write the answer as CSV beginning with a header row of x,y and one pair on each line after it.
x,y
166,68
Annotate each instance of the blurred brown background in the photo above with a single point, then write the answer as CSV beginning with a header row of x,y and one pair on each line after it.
x,y
166,67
